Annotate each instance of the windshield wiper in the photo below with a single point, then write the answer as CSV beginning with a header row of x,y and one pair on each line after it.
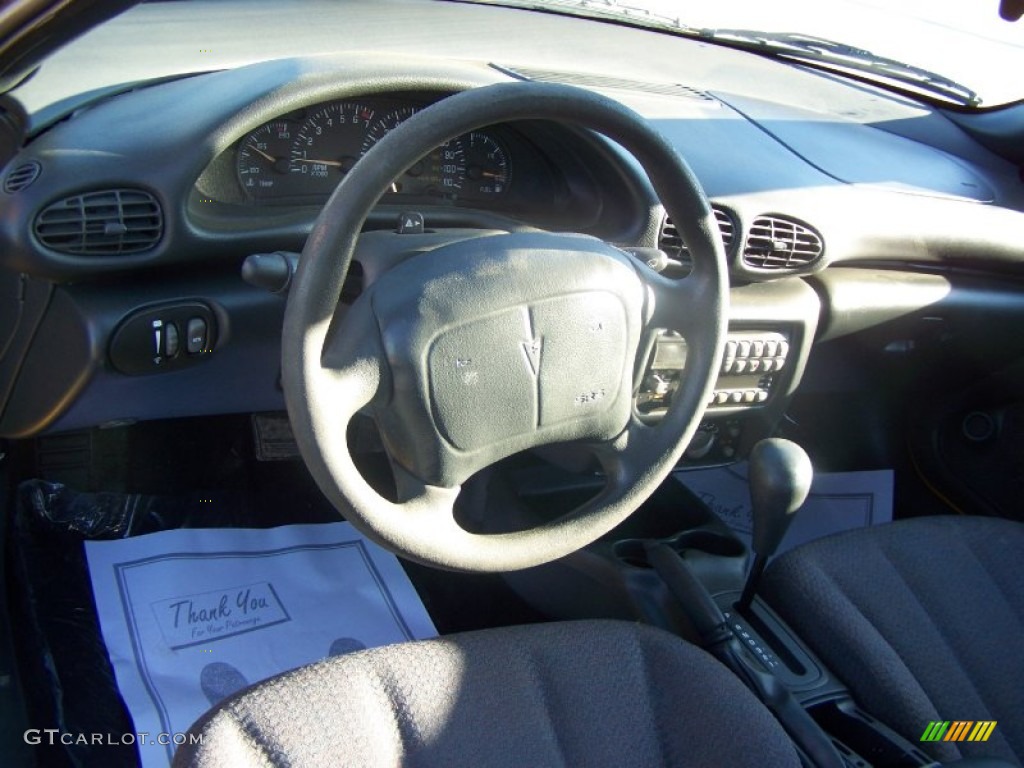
x,y
832,55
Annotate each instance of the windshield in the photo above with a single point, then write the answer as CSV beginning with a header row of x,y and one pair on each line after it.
x,y
962,42
954,52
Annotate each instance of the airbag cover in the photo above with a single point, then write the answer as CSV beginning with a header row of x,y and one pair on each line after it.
x,y
542,365
506,342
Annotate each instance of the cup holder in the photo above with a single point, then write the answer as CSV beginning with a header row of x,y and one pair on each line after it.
x,y
710,542
633,552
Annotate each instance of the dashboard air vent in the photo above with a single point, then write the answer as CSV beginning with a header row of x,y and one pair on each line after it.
x,y
781,244
21,177
587,80
107,223
671,242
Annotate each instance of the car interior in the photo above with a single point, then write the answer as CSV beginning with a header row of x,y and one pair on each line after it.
x,y
489,280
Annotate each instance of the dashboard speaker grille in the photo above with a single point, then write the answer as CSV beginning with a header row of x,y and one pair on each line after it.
x,y
775,243
671,242
111,222
21,177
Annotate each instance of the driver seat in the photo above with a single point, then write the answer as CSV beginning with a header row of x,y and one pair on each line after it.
x,y
594,693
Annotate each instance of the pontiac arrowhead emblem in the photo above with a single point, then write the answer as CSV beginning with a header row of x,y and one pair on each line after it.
x,y
532,349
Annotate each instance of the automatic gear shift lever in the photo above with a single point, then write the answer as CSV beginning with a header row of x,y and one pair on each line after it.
x,y
780,477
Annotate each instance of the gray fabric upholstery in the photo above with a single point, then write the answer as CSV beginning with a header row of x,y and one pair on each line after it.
x,y
923,619
567,694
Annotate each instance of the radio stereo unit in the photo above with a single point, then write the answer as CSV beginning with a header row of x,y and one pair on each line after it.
x,y
751,366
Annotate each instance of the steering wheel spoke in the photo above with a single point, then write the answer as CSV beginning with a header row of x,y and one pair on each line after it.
x,y
681,305
380,251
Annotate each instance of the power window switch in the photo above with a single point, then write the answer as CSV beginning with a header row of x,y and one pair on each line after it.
x,y
196,336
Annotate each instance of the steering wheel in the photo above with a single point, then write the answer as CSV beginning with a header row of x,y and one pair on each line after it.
x,y
496,343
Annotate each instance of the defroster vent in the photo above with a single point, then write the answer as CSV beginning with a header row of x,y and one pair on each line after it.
x,y
774,243
671,242
107,223
591,80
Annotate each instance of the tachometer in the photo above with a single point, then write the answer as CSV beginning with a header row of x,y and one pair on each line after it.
x,y
328,144
262,161
440,174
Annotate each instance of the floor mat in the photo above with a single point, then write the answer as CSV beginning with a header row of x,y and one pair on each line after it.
x,y
838,501
67,678
192,616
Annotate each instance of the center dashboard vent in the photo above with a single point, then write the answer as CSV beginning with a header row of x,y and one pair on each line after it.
x,y
777,244
671,242
106,223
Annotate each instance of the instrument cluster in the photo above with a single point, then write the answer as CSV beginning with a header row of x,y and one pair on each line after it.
x,y
301,157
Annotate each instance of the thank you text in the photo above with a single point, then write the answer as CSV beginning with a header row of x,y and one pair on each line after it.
x,y
203,618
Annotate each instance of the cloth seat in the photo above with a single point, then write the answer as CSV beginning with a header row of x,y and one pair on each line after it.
x,y
922,619
587,693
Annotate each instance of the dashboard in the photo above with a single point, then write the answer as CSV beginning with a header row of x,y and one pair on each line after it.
x,y
141,204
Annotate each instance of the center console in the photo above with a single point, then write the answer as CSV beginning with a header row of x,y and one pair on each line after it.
x,y
618,577
771,328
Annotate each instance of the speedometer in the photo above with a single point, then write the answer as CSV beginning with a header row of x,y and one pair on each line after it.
x,y
441,173
385,124
328,144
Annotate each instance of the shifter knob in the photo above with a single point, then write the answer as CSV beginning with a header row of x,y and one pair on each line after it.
x,y
780,477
